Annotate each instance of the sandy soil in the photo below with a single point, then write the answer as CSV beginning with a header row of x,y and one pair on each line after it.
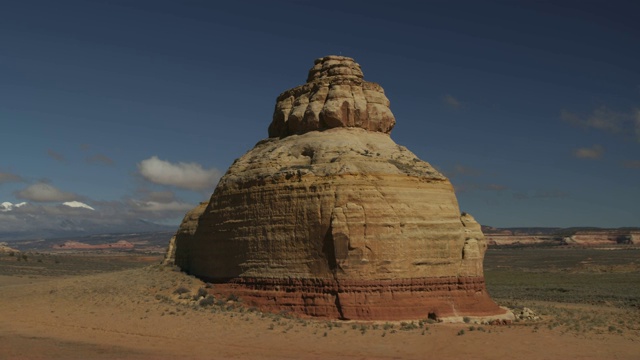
x,y
134,314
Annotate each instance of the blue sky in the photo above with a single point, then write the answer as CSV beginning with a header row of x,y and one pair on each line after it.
x,y
136,108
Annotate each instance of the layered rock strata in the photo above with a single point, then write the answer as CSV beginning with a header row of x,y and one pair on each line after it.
x,y
331,218
335,95
187,228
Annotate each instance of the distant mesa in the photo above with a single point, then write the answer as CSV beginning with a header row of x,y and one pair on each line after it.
x,y
330,218
5,248
76,245
561,236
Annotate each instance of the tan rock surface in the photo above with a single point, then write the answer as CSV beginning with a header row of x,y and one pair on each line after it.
x,y
601,237
187,228
340,223
335,95
5,248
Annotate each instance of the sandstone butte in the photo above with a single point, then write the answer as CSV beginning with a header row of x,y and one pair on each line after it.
x,y
330,218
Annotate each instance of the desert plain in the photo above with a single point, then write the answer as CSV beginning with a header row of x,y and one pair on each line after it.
x,y
583,303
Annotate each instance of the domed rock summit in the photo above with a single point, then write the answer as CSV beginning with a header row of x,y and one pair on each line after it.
x,y
330,218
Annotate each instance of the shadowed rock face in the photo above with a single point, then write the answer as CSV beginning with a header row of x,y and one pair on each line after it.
x,y
338,223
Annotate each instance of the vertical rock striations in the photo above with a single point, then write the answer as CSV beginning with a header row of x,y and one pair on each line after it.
x,y
329,217
335,96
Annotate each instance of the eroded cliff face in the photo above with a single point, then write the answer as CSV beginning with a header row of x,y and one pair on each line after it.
x,y
337,221
187,228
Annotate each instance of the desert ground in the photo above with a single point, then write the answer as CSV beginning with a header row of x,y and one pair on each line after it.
x,y
585,304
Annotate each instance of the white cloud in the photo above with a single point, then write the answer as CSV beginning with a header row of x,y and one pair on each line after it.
x,y
451,101
183,175
594,152
42,192
78,204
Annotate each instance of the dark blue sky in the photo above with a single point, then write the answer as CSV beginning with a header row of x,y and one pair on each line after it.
x,y
531,108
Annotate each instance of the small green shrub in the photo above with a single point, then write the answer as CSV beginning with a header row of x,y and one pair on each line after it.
x,y
181,290
202,292
408,326
207,301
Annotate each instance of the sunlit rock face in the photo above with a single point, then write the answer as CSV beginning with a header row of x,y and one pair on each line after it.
x,y
329,217
335,96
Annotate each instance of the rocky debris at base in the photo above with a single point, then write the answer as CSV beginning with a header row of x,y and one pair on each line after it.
x,y
526,314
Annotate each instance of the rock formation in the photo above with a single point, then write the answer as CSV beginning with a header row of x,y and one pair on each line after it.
x,y
187,229
335,95
602,237
329,217
5,248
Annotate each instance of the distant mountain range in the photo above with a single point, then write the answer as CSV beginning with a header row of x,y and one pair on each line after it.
x,y
39,227
145,242
33,221
67,228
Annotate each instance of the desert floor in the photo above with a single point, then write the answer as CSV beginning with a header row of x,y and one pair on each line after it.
x,y
123,306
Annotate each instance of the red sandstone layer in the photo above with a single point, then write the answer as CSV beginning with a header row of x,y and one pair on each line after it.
x,y
419,298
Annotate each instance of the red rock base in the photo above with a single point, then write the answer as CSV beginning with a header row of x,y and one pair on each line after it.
x,y
401,299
